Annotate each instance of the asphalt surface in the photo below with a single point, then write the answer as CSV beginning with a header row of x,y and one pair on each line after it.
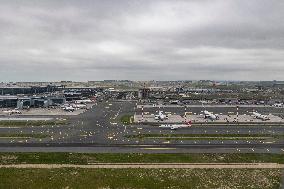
x,y
99,130
215,109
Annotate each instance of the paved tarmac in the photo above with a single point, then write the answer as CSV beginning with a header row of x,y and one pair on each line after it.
x,y
179,110
99,130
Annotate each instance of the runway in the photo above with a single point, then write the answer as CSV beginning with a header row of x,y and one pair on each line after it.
x,y
92,148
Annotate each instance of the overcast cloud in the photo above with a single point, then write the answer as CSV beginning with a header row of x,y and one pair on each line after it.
x,y
141,40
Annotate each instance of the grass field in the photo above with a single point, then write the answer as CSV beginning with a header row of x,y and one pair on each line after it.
x,y
127,119
82,158
140,178
21,135
32,122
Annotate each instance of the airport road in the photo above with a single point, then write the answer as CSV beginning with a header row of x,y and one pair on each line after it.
x,y
99,130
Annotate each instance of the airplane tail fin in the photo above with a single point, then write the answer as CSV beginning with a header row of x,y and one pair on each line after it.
x,y
189,123
203,107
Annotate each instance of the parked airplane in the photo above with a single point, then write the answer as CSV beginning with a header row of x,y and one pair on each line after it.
x,y
278,105
176,126
260,116
83,101
80,106
161,116
68,108
209,115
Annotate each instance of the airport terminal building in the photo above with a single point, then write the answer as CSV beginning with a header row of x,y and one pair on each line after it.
x,y
8,101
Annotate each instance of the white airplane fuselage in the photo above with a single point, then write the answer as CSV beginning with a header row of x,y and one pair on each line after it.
x,y
278,105
175,126
161,116
83,101
79,105
260,116
210,115
69,108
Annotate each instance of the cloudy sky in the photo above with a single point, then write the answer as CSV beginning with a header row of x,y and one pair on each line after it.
x,y
85,40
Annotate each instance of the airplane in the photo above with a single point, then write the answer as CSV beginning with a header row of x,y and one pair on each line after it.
x,y
10,112
161,116
260,116
81,106
176,126
68,108
83,101
210,115
278,105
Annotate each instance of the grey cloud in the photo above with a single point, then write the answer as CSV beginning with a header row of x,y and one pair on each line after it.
x,y
135,39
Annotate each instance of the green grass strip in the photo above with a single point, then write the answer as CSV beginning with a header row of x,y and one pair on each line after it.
x,y
85,158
